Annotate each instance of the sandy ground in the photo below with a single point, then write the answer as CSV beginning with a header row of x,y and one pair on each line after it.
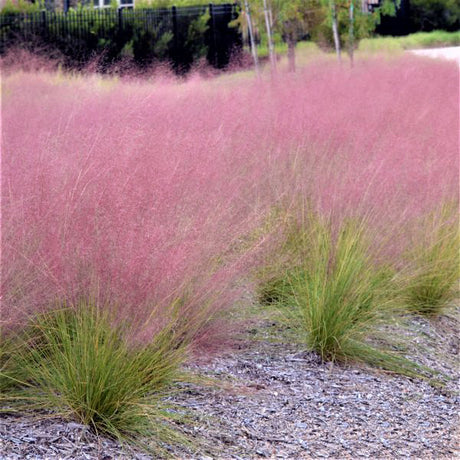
x,y
451,53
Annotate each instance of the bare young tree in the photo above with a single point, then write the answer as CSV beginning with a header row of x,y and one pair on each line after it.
x,y
351,38
293,20
268,25
251,37
335,29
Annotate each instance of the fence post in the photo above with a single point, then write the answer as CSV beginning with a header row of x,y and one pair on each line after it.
x,y
43,23
120,19
213,44
175,55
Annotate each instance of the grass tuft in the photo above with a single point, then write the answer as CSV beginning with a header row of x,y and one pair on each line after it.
x,y
77,361
333,294
431,281
335,289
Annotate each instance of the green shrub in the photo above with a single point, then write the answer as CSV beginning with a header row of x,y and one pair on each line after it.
x,y
437,38
22,6
78,362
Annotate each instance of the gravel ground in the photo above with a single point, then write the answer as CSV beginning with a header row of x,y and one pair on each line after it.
x,y
278,401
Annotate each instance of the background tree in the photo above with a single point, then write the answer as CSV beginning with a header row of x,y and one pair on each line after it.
x,y
289,21
341,23
428,15
295,20
343,14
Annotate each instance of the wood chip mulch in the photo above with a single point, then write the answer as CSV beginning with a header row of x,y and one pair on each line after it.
x,y
278,401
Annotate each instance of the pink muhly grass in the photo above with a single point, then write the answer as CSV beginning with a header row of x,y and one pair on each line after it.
x,y
115,199
148,193
22,60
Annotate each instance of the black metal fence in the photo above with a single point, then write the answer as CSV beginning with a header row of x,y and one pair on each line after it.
x,y
179,35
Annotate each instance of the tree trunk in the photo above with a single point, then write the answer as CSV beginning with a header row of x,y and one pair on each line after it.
x,y
271,17
351,39
335,30
271,48
251,38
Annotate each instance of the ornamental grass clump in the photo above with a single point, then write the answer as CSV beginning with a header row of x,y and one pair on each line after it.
x,y
334,294
10,374
431,279
335,290
78,361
